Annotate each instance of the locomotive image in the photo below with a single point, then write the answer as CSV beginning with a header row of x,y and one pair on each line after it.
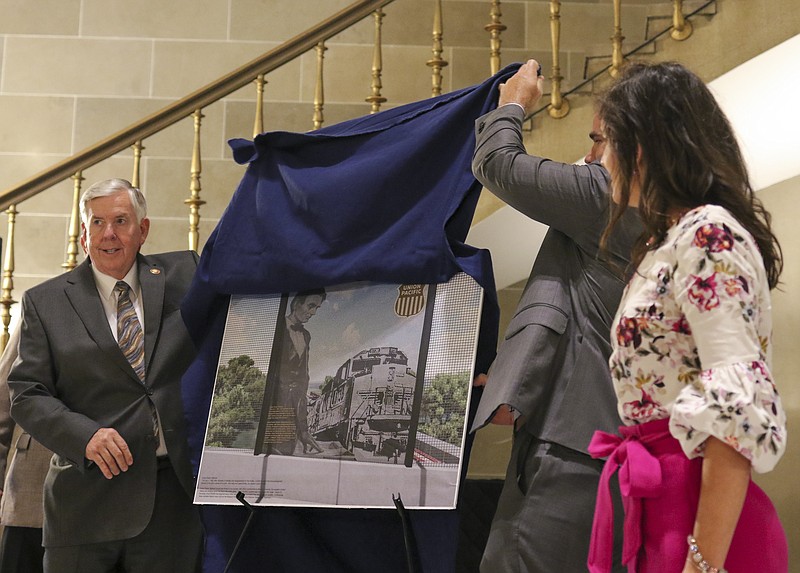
x,y
367,406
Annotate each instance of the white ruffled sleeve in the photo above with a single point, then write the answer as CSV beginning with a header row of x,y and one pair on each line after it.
x,y
722,289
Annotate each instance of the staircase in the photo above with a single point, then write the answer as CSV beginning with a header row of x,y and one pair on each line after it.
x,y
75,72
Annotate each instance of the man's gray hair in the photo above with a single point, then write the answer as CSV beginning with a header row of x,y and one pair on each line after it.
x,y
109,187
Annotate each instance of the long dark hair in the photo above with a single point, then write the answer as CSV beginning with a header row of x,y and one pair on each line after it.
x,y
689,152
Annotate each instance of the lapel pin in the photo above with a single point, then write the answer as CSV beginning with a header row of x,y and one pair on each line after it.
x,y
155,271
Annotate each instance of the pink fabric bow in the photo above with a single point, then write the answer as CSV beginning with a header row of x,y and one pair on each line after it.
x,y
639,477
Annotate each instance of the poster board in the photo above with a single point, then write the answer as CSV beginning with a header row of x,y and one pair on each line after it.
x,y
343,399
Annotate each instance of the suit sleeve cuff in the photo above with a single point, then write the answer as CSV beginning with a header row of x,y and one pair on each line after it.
x,y
519,105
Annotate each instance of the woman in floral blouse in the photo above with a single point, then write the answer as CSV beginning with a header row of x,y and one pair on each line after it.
x,y
691,339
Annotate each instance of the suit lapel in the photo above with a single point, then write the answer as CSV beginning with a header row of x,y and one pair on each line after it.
x,y
82,294
152,279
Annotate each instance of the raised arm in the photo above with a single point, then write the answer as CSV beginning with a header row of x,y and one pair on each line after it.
x,y
569,198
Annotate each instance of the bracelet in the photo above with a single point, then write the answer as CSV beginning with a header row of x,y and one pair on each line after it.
x,y
697,558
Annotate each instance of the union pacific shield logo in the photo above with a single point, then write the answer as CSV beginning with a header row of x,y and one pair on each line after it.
x,y
410,300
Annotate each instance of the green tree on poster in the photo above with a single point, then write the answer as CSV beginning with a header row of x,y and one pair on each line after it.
x,y
238,395
443,406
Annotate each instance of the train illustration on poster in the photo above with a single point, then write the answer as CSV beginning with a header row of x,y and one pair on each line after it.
x,y
366,407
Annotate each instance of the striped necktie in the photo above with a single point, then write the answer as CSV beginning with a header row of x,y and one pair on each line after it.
x,y
129,331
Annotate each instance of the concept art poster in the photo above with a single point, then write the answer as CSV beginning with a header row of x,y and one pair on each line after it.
x,y
343,396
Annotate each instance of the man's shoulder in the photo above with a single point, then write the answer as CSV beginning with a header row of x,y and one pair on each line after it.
x,y
49,286
172,256
171,260
176,268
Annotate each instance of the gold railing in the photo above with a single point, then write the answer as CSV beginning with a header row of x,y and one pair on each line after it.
x,y
255,71
375,98
8,277
188,105
436,63
559,106
679,30
495,28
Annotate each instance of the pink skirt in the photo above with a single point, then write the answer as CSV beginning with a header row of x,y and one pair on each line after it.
x,y
660,490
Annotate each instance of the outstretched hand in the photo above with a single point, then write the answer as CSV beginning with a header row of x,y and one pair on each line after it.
x,y
524,88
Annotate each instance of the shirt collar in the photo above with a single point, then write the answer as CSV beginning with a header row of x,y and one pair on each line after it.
x,y
105,283
294,324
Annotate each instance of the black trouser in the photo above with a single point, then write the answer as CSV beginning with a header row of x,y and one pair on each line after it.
x,y
21,550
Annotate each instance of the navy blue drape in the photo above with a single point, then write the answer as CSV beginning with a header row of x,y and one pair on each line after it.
x,y
385,198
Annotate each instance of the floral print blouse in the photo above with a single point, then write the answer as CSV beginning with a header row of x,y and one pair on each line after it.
x,y
691,340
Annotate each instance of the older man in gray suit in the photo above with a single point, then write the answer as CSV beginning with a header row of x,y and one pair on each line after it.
x,y
551,373
101,353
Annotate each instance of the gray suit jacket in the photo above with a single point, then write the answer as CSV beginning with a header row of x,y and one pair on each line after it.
x,y
552,366
21,504
71,379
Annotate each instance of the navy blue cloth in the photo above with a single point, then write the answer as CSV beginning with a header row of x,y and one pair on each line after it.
x,y
385,198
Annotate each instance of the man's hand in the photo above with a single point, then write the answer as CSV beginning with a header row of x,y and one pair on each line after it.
x,y
502,416
109,451
480,380
525,88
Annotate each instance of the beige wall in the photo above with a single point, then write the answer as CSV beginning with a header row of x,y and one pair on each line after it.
x,y
781,484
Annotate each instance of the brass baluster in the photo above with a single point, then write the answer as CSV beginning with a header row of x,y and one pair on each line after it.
x,y
8,276
437,63
194,200
258,124
74,224
319,91
559,106
377,64
494,28
681,27
616,41
137,162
